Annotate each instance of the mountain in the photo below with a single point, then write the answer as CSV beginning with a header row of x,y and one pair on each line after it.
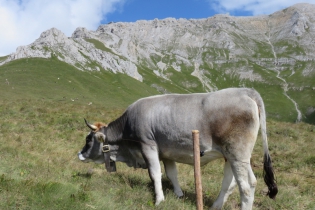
x,y
272,53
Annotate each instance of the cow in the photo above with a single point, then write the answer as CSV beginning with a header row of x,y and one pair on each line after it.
x,y
159,128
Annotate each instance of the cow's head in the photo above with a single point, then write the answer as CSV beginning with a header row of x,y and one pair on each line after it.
x,y
123,151
92,150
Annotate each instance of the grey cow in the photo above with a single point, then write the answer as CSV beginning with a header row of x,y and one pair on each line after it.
x,y
159,128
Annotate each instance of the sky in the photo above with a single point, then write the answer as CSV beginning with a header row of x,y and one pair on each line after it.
x,y
22,21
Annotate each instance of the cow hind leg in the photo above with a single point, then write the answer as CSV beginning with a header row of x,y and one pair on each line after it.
x,y
151,156
228,185
171,173
246,181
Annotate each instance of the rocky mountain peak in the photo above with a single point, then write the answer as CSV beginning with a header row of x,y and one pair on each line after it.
x,y
194,44
52,34
81,33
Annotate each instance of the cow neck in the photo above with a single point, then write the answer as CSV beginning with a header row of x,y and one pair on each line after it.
x,y
114,130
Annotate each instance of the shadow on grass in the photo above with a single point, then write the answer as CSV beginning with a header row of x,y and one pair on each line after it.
x,y
189,196
134,182
84,175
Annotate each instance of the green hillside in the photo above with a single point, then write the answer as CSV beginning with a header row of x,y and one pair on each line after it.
x,y
51,79
225,75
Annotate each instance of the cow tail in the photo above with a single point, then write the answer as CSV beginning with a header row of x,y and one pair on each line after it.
x,y
268,172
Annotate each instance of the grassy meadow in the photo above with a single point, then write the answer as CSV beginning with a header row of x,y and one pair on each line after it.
x,y
42,130
40,169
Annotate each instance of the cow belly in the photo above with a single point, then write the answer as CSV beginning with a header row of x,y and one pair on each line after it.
x,y
187,156
210,156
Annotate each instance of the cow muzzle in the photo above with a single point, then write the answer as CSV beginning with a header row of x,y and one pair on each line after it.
x,y
81,157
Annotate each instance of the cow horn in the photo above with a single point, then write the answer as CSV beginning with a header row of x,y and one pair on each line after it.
x,y
92,127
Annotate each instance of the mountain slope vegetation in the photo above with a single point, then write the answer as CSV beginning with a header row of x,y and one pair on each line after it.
x,y
51,79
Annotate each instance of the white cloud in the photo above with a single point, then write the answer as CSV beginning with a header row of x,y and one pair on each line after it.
x,y
22,21
254,7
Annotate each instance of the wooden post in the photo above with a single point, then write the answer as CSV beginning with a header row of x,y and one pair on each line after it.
x,y
198,186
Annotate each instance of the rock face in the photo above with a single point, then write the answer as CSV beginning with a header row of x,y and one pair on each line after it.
x,y
232,45
75,51
219,39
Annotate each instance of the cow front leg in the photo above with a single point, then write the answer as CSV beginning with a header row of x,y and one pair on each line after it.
x,y
171,173
150,154
228,184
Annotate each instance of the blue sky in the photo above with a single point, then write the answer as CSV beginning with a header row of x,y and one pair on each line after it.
x,y
22,21
134,10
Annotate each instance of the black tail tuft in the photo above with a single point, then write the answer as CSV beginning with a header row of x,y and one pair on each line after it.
x,y
269,177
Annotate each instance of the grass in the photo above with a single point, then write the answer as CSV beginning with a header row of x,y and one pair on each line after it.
x,y
42,129
54,80
2,58
40,169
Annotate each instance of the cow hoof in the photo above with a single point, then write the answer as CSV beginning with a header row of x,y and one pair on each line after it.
x,y
179,194
180,197
158,201
215,208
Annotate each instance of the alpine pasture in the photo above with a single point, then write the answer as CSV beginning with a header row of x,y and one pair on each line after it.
x,y
43,103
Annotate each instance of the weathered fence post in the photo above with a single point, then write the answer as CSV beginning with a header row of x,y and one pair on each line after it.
x,y
198,186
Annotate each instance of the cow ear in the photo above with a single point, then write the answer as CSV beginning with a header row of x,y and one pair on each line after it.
x,y
100,137
92,127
